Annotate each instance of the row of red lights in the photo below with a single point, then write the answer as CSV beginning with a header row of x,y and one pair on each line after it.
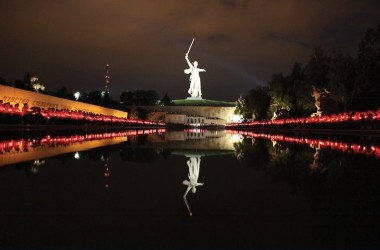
x,y
336,118
328,144
74,115
7,146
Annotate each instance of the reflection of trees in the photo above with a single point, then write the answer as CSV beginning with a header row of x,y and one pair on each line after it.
x,y
345,188
134,150
348,191
63,158
165,153
29,167
253,151
289,164
139,154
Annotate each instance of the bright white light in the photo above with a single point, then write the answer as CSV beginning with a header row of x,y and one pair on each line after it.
x,y
236,138
77,95
236,118
37,87
77,155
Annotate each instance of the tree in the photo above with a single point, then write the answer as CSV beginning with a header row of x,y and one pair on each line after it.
x,y
27,81
278,91
296,82
316,78
95,97
166,100
127,98
287,92
342,80
63,92
255,105
242,109
19,84
368,69
133,113
151,97
316,70
3,82
139,97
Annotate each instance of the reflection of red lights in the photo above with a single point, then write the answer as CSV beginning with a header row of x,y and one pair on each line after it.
x,y
22,145
336,118
328,144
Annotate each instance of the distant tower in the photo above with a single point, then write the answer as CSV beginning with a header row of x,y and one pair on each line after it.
x,y
107,78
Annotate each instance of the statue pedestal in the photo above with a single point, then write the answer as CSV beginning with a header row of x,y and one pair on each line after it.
x,y
194,98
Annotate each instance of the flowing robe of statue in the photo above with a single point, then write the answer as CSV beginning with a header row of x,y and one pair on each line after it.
x,y
195,80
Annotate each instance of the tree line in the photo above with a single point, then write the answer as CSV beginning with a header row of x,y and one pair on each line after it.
x,y
346,83
127,98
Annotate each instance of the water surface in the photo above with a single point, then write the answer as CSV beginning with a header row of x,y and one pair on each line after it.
x,y
188,189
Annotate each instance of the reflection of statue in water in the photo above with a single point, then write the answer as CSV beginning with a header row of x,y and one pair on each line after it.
x,y
316,166
195,80
194,165
318,94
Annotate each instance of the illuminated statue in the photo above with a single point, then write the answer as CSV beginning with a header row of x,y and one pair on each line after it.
x,y
318,94
195,80
194,165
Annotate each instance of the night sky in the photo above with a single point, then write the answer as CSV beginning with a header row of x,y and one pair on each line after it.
x,y
240,43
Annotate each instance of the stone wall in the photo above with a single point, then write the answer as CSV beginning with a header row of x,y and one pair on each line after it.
x,y
224,113
33,99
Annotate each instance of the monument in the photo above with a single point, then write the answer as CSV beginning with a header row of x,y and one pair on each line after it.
x,y
319,95
195,80
194,111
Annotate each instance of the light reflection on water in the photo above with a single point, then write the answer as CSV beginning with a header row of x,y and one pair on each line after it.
x,y
241,189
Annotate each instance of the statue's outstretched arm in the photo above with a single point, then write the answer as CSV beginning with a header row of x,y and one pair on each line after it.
x,y
188,62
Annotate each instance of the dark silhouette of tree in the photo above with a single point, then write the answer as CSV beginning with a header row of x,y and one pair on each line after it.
x,y
127,98
19,84
255,105
4,82
27,82
316,70
342,80
166,100
63,92
139,97
95,97
151,97
368,69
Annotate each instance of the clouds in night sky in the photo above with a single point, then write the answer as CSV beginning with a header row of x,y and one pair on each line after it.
x,y
240,43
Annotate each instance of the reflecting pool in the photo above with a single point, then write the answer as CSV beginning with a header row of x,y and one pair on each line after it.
x,y
188,189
